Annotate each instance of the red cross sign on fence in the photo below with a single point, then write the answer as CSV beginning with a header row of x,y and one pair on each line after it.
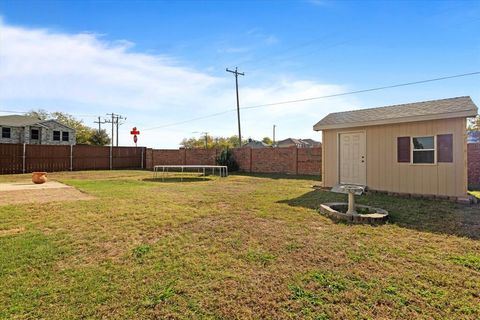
x,y
135,132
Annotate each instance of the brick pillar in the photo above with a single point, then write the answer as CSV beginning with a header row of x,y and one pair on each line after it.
x,y
250,160
296,161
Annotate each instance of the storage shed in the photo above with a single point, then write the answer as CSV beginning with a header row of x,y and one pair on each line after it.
x,y
415,148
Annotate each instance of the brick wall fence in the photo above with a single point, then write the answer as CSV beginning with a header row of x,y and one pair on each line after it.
x,y
302,161
473,154
14,158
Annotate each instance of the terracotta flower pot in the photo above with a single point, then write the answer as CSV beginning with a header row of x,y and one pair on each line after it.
x,y
39,177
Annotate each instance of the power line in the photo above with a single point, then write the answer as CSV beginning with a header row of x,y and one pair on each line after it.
x,y
319,97
364,90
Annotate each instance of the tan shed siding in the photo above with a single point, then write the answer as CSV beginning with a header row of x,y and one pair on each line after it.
x,y
331,156
322,173
386,174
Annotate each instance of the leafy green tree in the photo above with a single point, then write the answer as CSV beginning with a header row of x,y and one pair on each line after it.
x,y
474,124
212,142
267,140
100,138
39,114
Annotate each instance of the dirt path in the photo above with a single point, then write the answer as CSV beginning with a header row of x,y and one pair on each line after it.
x,y
20,192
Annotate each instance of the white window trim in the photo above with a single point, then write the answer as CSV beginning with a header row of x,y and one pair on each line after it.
x,y
412,149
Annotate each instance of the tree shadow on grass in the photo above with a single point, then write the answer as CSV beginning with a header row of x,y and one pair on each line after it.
x,y
434,216
278,176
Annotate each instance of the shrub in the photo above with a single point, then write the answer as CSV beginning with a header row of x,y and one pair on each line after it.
x,y
226,159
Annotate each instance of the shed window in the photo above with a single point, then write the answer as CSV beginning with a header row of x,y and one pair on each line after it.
x,y
403,149
56,135
445,148
6,133
65,136
34,134
423,149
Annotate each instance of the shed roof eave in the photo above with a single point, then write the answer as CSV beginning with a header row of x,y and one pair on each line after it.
x,y
448,115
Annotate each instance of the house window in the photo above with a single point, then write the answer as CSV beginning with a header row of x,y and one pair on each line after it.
x,y
34,133
423,149
56,135
65,136
6,133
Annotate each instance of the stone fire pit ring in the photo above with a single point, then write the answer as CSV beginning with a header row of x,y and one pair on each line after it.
x,y
366,215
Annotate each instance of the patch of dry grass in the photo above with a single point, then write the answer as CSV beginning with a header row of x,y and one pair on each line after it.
x,y
242,247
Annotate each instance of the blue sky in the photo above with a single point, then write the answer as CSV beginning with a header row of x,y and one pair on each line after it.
x,y
163,62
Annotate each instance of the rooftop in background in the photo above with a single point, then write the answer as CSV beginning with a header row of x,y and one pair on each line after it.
x,y
299,143
417,111
18,121
256,144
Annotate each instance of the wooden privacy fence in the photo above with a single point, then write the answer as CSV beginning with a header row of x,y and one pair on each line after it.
x,y
20,158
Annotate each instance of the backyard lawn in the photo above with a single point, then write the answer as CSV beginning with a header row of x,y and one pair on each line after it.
x,y
242,247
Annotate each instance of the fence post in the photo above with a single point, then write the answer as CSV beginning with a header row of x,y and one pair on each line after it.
x,y
111,155
24,157
141,164
71,157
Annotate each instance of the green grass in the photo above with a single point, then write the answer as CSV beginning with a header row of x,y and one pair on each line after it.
x,y
244,247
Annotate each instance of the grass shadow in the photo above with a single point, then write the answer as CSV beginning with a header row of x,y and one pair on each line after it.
x,y
442,217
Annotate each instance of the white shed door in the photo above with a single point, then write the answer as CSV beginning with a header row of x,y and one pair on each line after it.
x,y
353,166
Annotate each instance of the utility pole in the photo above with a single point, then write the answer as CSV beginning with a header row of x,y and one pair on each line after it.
x,y
99,124
236,73
115,121
111,142
112,121
273,143
206,139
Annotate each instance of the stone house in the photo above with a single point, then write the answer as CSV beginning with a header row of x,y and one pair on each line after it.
x,y
30,130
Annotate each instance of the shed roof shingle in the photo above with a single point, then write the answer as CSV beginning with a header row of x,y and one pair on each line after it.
x,y
418,111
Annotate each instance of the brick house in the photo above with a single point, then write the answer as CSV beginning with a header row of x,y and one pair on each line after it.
x,y
30,130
